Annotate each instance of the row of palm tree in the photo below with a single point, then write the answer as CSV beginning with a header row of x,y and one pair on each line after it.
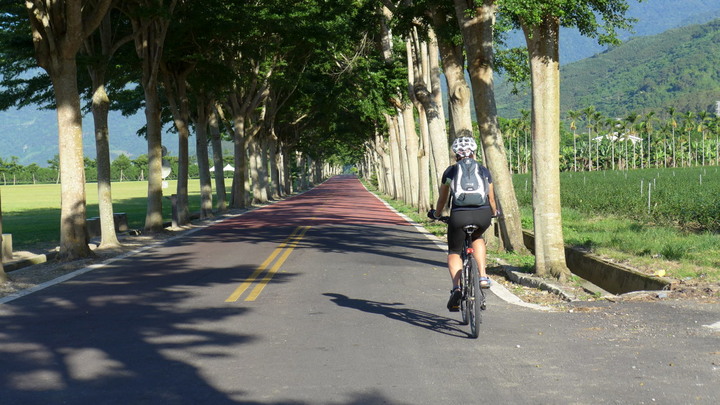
x,y
592,141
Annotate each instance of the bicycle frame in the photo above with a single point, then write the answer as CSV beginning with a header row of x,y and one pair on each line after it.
x,y
473,297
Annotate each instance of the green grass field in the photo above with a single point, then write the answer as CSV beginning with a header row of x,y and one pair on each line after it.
x,y
674,228
687,198
31,213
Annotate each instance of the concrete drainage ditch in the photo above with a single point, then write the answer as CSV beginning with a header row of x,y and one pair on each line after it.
x,y
611,277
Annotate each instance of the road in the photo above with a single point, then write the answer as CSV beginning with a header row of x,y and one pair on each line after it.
x,y
330,297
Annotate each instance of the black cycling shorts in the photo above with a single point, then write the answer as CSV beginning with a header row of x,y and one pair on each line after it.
x,y
459,218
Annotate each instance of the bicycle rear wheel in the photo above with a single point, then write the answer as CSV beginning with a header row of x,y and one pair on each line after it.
x,y
475,299
464,305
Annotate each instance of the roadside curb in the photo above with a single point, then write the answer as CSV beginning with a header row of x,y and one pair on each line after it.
x,y
22,263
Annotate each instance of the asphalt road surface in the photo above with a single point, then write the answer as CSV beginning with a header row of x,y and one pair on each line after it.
x,y
329,297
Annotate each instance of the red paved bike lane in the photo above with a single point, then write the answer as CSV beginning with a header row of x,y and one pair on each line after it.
x,y
339,200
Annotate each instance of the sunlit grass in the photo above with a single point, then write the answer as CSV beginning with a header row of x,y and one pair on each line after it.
x,y
651,248
31,213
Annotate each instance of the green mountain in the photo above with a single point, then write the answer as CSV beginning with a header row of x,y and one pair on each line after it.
x,y
678,68
653,17
30,135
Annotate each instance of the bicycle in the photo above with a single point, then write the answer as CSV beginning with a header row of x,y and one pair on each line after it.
x,y
472,302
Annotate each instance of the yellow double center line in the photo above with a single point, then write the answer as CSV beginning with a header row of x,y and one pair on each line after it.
x,y
285,248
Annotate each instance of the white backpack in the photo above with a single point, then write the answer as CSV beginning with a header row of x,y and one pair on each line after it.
x,y
468,187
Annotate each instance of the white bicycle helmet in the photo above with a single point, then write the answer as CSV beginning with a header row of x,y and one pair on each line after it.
x,y
464,146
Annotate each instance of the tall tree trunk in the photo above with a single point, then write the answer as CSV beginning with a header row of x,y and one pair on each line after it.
x,y
275,162
204,106
477,31
424,173
237,198
149,39
73,234
102,46
418,175
100,109
272,172
402,139
301,164
397,184
263,164
421,144
218,159
436,112
453,63
287,173
153,215
253,150
176,92
382,149
396,169
542,43
317,172
58,30
437,147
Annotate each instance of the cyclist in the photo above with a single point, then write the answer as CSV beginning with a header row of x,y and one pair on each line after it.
x,y
480,215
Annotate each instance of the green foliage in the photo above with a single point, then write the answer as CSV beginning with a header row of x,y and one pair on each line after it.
x,y
21,83
582,15
677,197
340,88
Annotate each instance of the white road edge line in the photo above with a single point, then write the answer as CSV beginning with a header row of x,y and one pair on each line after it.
x,y
715,326
95,266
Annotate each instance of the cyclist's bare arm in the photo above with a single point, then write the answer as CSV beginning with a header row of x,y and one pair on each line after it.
x,y
491,197
442,198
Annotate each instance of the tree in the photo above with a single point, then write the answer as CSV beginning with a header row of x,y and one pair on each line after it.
x,y
101,47
150,21
427,95
21,82
704,117
121,167
190,72
453,63
58,31
174,76
688,127
542,41
202,118
215,140
574,116
476,25
540,21
673,125
646,126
